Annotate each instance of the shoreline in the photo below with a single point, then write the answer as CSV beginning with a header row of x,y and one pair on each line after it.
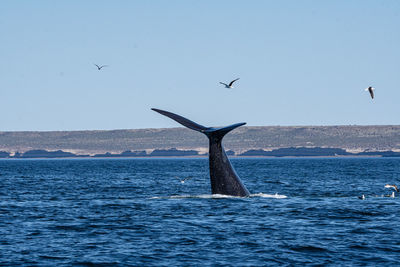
x,y
197,157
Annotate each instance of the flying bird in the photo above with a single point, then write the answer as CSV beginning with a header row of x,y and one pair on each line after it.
x,y
100,67
392,186
230,84
371,91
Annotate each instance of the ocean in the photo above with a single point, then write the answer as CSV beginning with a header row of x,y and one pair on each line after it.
x,y
140,212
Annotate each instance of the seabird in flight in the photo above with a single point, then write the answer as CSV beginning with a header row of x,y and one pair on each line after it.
x,y
100,67
371,91
230,84
392,186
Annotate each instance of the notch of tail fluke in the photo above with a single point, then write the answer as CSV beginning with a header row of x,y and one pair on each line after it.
x,y
209,131
220,132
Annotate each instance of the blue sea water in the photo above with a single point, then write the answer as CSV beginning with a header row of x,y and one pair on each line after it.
x,y
137,212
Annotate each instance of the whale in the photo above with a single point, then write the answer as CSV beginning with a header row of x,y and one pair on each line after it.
x,y
223,177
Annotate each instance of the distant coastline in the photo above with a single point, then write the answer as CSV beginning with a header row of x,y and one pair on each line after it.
x,y
173,152
263,141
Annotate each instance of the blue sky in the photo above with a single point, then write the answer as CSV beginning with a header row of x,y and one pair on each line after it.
x,y
299,63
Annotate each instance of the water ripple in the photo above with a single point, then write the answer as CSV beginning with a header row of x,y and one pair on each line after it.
x,y
135,212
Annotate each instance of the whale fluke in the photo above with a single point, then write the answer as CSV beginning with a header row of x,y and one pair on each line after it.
x,y
224,179
185,122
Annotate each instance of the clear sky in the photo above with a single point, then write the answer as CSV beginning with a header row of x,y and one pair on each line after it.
x,y
299,63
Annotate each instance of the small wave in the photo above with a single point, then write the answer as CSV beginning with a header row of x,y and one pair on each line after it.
x,y
276,182
206,196
95,263
276,195
309,249
50,257
218,196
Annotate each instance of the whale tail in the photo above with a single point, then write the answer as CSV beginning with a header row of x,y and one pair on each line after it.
x,y
211,132
224,179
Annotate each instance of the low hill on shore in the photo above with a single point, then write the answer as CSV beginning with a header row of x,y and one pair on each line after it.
x,y
349,138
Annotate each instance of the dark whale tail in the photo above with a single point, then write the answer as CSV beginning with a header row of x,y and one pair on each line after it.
x,y
224,179
209,131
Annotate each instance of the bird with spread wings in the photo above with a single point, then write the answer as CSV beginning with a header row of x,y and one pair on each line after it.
x,y
230,85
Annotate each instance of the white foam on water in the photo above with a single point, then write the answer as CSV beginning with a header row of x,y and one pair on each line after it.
x,y
276,195
195,196
218,196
